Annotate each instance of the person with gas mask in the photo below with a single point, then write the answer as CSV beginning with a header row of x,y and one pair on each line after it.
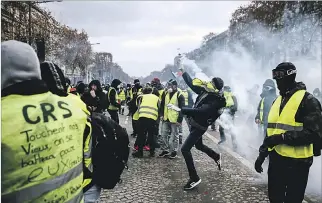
x,y
268,96
122,98
31,114
206,110
171,120
229,117
112,98
317,94
292,135
134,92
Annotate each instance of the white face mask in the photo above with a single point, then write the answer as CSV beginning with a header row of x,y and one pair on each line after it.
x,y
170,90
118,87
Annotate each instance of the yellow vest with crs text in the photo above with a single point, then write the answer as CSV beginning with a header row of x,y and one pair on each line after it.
x,y
149,106
280,123
112,107
121,95
170,114
41,149
185,95
229,99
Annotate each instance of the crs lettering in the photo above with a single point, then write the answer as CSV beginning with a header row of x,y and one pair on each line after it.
x,y
47,110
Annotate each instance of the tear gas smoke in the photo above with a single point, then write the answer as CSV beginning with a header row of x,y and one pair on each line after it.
x,y
241,69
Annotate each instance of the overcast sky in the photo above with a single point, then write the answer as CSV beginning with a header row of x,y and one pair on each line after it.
x,y
144,36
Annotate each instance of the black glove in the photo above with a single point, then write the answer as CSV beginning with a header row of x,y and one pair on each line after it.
x,y
273,140
258,163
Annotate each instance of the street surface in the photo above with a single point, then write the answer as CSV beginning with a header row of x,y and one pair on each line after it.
x,y
161,180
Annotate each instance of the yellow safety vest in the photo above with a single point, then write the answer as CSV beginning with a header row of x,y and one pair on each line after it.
x,y
185,95
111,106
149,106
170,114
161,93
136,114
42,149
280,123
261,110
229,99
121,95
88,156
79,102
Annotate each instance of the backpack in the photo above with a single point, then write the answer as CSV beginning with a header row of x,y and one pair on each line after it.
x,y
110,151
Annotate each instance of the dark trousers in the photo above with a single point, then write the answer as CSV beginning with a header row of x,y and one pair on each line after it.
x,y
195,139
114,115
134,126
146,125
121,110
287,179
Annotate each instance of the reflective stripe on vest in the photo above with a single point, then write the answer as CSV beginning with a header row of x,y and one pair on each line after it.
x,y
111,106
170,114
280,123
161,93
185,95
136,114
42,150
122,95
149,106
229,99
88,155
261,110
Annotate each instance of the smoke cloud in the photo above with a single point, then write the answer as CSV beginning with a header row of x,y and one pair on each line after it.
x,y
298,42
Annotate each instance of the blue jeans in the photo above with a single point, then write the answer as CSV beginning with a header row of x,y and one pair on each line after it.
x,y
92,195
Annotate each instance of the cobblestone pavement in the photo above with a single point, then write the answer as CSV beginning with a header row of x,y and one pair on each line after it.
x,y
155,180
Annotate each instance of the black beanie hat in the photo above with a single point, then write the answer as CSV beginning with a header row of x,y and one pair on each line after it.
x,y
286,66
219,83
136,80
54,78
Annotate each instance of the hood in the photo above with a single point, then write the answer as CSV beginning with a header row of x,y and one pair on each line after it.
x,y
115,83
98,85
19,62
53,76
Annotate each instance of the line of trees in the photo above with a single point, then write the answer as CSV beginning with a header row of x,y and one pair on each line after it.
x,y
277,30
68,47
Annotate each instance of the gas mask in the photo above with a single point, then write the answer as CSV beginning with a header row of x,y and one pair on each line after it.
x,y
284,78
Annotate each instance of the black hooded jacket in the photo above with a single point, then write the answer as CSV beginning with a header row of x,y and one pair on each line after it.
x,y
111,97
99,100
132,104
308,113
206,108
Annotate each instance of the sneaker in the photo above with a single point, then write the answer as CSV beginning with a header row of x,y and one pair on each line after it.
x,y
164,154
137,154
191,184
218,161
146,148
173,155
